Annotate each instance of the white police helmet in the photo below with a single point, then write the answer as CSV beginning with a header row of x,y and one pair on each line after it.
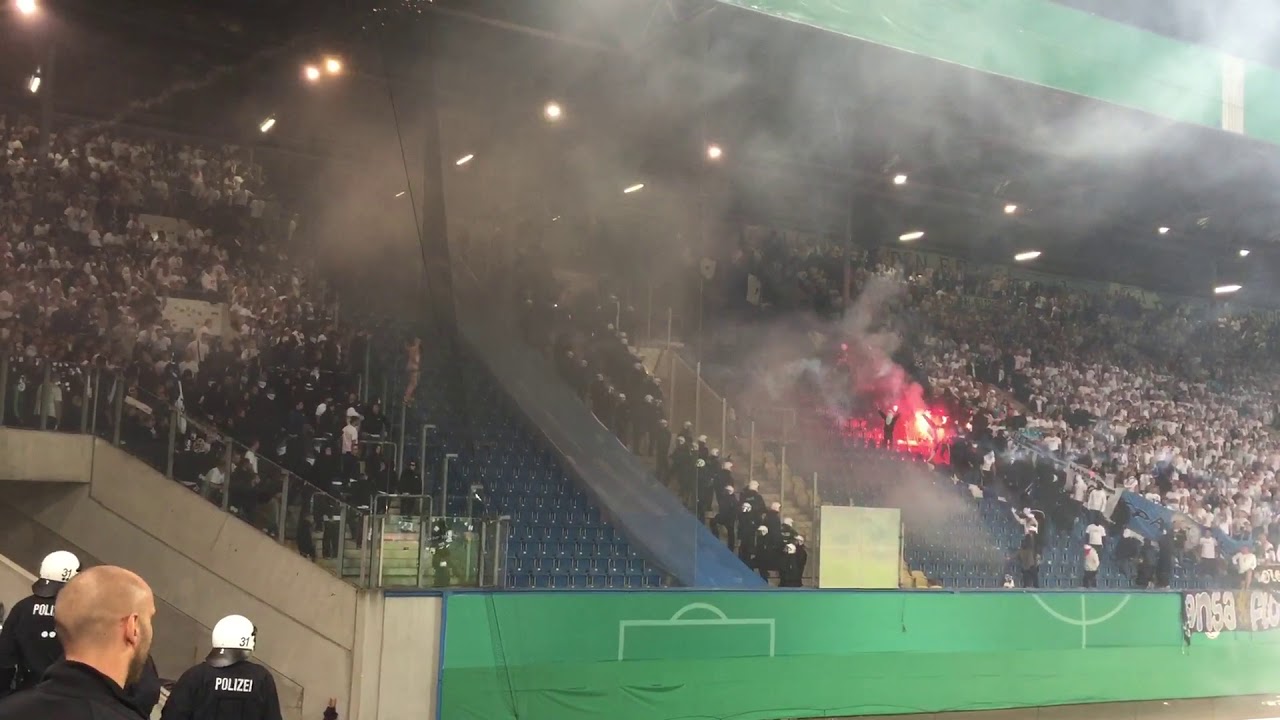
x,y
234,639
55,570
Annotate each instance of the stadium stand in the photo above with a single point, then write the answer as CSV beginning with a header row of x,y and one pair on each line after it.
x,y
270,403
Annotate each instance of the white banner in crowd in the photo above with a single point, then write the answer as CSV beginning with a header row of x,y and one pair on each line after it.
x,y
187,315
162,223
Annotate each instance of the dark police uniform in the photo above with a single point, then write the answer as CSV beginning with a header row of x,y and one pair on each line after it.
x,y
28,643
239,691
70,691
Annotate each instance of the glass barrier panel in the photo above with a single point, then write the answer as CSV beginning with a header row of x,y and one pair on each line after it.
x,y
451,552
146,425
202,459
23,378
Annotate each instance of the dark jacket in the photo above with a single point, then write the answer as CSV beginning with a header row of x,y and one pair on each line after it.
x,y
70,691
145,693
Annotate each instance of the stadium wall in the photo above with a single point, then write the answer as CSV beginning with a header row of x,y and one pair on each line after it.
x,y
792,654
398,666
202,563
15,583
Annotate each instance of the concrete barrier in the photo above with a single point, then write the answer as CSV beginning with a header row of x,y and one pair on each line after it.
x,y
202,563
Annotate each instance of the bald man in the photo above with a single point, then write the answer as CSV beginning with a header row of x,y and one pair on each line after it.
x,y
103,618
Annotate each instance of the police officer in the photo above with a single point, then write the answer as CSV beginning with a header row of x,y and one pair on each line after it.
x,y
104,620
28,641
226,686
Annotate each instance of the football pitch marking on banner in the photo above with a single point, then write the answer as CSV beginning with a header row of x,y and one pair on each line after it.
x,y
678,620
1084,622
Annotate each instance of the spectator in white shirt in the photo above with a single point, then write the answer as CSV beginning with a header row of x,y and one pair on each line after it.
x,y
1208,552
1091,564
1096,503
1095,533
1245,563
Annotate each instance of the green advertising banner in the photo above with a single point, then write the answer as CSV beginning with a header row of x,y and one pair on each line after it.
x,y
1043,43
779,654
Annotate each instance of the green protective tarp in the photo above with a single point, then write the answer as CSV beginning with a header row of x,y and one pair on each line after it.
x,y
811,654
1041,42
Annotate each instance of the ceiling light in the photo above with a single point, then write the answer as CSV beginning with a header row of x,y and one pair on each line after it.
x,y
714,152
266,125
33,83
633,188
332,65
913,235
1162,230
899,179
311,73
400,194
1010,209
27,7
464,159
552,111
1028,255
1226,289
1244,252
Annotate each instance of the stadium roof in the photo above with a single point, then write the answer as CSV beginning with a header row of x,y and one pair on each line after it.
x,y
814,126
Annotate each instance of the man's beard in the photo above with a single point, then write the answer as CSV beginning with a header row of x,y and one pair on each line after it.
x,y
137,663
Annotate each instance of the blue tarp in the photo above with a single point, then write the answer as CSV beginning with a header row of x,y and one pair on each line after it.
x,y
652,519
1146,516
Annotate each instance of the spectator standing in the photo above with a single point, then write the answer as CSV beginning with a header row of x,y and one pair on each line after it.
x,y
1095,533
1029,563
1208,552
1091,564
1245,563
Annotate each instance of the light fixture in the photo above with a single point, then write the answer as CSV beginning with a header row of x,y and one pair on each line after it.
x,y
1162,230
1226,289
899,179
400,194
1244,252
913,235
555,218
332,65
1010,209
552,111
33,82
632,188
464,159
311,73
27,7
714,152
1028,255
266,125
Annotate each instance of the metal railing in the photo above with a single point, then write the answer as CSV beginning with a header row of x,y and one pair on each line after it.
x,y
319,508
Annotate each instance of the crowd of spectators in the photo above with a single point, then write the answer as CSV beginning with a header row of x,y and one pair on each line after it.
x,y
97,241
1170,399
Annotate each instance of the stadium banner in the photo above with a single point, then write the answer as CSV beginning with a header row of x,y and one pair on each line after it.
x,y
1210,612
764,654
185,315
1267,575
861,547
